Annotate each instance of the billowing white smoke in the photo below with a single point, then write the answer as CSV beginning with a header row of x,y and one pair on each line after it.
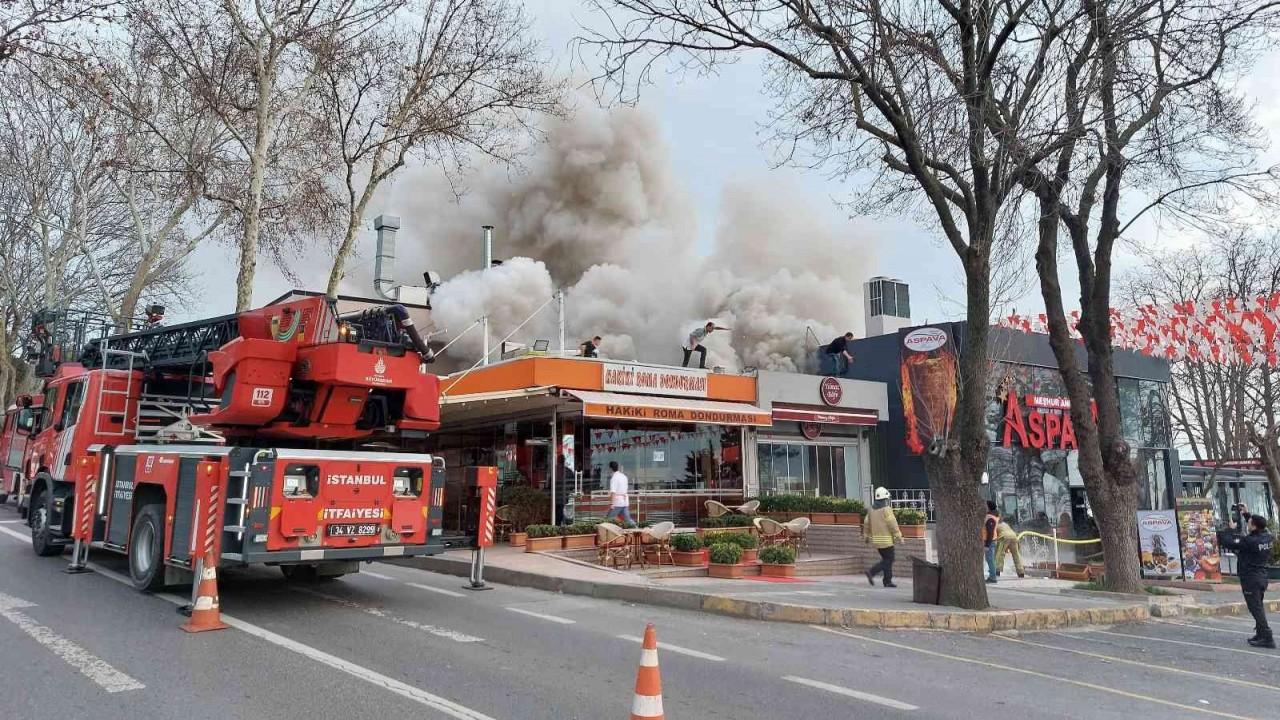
x,y
606,218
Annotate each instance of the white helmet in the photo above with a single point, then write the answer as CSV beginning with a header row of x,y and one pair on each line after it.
x,y
881,494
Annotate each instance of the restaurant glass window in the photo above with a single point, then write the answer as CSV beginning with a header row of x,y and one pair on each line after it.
x,y
807,469
665,457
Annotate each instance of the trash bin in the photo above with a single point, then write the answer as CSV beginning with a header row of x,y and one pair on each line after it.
x,y
926,581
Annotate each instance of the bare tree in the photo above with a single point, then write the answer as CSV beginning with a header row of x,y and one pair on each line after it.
x,y
35,26
1150,124
448,79
255,65
905,88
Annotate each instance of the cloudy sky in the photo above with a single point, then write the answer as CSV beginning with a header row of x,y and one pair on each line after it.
x,y
713,127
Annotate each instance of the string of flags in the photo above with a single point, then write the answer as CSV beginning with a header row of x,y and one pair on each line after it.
x,y
1226,330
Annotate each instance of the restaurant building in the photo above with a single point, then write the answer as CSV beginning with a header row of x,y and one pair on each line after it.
x,y
1032,468
682,435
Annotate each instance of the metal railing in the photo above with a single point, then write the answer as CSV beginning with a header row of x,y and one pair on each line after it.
x,y
916,499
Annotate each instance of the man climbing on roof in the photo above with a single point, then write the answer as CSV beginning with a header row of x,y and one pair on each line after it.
x,y
588,349
693,342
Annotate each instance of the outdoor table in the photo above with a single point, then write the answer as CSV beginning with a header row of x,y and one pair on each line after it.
x,y
637,543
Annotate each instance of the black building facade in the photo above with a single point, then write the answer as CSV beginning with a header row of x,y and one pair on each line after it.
x,y
1032,469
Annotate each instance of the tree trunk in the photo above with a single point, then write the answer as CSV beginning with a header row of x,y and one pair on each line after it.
x,y
354,219
248,261
955,477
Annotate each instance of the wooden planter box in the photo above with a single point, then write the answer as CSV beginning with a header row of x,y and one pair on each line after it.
x,y
692,559
848,519
517,539
577,542
770,570
543,543
912,531
1072,571
822,518
725,572
750,555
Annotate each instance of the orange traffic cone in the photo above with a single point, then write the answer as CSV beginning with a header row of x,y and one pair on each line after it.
x,y
647,704
205,614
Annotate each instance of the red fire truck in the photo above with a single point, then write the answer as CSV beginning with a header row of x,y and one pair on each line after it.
x,y
281,435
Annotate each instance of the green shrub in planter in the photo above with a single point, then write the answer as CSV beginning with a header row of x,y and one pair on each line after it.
x,y
908,516
686,542
542,531
843,505
778,555
579,528
725,554
711,522
746,541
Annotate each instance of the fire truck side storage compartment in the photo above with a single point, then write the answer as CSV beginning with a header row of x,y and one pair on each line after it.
x,y
184,509
120,500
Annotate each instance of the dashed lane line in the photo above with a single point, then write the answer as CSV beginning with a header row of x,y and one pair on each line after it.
x,y
1142,664
85,662
1035,673
543,616
6,522
383,614
1202,646
676,649
848,692
436,590
418,695
377,576
15,534
1212,628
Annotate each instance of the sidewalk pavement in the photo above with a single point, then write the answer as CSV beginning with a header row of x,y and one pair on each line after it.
x,y
840,600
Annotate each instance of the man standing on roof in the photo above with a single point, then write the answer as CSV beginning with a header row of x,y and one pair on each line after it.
x,y
588,348
693,343
836,356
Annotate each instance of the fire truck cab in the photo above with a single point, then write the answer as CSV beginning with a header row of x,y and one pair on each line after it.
x,y
16,428
242,438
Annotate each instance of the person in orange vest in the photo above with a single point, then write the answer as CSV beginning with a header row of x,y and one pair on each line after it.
x,y
989,540
880,529
1007,542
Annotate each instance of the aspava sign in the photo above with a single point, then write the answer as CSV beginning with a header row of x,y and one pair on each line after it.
x,y
681,382
1046,424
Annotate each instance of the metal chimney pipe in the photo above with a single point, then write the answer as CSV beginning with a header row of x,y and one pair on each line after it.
x,y
488,246
384,264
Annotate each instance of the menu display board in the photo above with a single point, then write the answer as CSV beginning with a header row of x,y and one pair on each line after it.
x,y
1198,539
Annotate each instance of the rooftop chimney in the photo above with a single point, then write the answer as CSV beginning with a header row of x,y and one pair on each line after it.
x,y
384,264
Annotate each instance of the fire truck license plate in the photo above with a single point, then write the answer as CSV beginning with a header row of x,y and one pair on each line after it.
x,y
354,530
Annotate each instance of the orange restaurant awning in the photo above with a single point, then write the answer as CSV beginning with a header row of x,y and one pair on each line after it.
x,y
665,409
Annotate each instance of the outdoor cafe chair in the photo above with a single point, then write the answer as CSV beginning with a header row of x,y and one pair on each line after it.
x,y
771,531
660,536
798,534
613,544
751,507
503,524
716,509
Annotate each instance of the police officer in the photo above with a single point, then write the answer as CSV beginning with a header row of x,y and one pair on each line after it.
x,y
1253,552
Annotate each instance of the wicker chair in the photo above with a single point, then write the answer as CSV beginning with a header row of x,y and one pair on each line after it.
x,y
750,507
798,535
613,544
660,536
771,531
716,509
503,522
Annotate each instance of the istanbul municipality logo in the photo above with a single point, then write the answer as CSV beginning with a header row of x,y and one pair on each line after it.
x,y
379,367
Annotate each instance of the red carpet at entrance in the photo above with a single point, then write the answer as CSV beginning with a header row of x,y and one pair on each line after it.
x,y
763,578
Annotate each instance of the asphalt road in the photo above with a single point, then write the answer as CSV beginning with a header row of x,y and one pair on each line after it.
x,y
396,642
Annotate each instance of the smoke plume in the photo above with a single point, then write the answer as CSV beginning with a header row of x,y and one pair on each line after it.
x,y
600,212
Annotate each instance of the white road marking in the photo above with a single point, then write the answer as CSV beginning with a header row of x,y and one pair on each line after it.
x,y
418,695
676,649
440,591
1187,624
1202,646
378,613
540,616
89,665
23,537
378,576
6,522
856,694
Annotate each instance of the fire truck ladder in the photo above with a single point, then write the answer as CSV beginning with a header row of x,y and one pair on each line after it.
x,y
117,361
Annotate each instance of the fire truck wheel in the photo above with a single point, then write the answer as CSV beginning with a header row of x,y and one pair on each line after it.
x,y
146,545
42,540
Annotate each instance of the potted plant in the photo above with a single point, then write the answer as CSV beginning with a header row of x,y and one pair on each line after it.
x,y
849,512
910,522
579,535
746,541
822,511
517,539
778,561
724,561
542,538
781,507
686,549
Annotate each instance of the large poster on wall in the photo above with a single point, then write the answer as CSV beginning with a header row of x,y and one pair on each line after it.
x,y
1197,525
928,364
1158,543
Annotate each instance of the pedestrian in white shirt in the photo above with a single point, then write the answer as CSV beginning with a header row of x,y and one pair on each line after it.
x,y
618,500
693,343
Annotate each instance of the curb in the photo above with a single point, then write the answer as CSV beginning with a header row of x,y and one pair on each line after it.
x,y
1210,610
969,621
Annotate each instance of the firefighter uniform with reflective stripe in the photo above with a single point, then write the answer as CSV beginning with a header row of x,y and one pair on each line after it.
x,y
1007,542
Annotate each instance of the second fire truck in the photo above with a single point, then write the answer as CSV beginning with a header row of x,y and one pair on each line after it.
x,y
279,435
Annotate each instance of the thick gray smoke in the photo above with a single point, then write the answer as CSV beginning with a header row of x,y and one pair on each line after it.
x,y
602,214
